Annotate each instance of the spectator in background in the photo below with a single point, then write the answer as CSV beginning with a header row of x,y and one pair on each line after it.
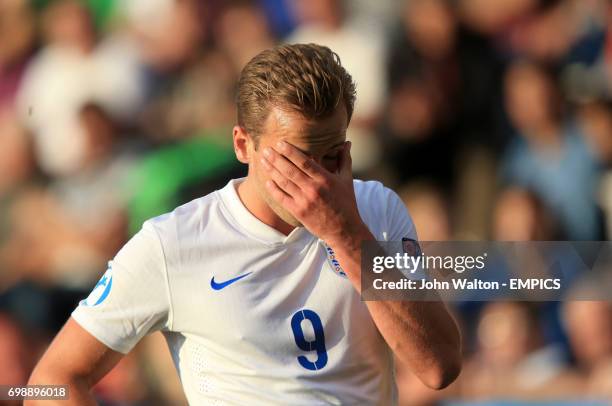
x,y
516,349
73,225
547,32
494,19
93,200
241,33
589,328
77,67
583,75
424,80
595,119
443,116
17,175
429,210
167,33
16,161
596,122
521,216
17,33
512,358
191,77
201,98
548,154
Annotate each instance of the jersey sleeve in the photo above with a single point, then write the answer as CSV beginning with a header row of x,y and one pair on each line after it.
x,y
400,228
399,223
383,212
132,299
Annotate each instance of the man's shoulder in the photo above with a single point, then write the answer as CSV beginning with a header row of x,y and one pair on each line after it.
x,y
370,189
372,197
381,209
190,214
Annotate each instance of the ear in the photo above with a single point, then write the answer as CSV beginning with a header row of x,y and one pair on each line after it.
x,y
242,144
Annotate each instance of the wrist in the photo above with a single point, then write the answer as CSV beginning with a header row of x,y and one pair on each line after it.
x,y
350,238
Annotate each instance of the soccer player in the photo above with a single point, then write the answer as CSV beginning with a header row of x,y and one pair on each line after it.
x,y
256,287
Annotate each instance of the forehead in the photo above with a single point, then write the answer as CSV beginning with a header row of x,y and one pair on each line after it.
x,y
309,135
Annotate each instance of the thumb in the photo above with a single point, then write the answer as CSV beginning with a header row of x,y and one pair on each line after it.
x,y
346,162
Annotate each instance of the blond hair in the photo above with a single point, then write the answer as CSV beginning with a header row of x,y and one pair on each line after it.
x,y
305,78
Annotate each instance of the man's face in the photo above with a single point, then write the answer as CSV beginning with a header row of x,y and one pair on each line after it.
x,y
322,140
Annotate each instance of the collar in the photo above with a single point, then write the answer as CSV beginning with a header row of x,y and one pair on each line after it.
x,y
250,224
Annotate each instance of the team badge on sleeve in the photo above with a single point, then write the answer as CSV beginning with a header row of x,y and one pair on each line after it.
x,y
102,289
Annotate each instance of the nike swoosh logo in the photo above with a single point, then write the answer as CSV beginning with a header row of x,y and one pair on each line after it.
x,y
221,285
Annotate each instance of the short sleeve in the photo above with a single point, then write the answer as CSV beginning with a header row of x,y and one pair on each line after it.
x,y
132,299
401,228
399,222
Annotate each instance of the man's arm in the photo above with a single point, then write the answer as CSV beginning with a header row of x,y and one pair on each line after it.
x,y
74,358
422,334
130,300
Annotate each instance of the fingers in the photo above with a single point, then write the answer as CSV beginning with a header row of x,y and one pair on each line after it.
x,y
285,167
279,195
281,179
302,161
346,162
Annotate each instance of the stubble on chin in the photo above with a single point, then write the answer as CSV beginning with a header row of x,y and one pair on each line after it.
x,y
269,200
282,212
277,208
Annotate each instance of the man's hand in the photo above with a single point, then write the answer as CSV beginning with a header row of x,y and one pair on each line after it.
x,y
322,201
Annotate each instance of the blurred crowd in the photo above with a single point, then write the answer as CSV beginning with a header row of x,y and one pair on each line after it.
x,y
492,119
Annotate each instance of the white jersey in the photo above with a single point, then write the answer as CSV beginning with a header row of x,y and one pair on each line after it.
x,y
251,316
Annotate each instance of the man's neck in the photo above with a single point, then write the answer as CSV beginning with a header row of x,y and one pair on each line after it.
x,y
253,202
